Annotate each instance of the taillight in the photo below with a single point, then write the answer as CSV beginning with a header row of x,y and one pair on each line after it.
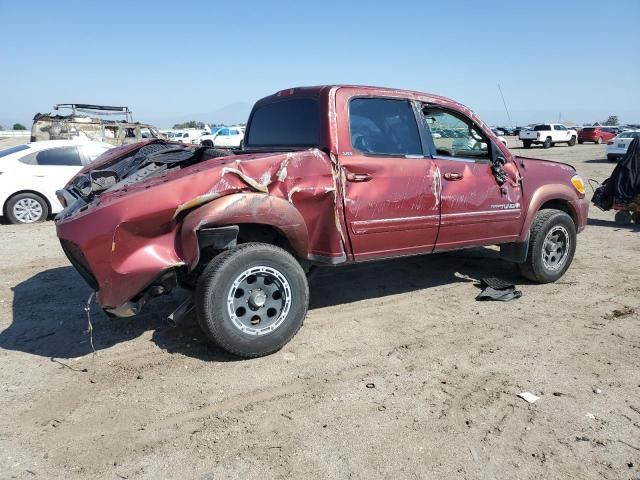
x,y
538,135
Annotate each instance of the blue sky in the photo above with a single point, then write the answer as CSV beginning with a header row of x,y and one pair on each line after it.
x,y
171,60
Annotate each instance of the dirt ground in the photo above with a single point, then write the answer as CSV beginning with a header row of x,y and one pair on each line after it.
x,y
397,373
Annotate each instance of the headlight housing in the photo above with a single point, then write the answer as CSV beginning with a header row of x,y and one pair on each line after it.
x,y
578,184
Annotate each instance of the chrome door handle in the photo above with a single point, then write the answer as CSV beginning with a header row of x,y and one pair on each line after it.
x,y
358,177
452,176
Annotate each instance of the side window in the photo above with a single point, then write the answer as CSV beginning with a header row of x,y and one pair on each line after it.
x,y
560,127
145,132
456,136
63,156
384,127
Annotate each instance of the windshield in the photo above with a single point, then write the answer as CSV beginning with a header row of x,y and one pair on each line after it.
x,y
292,123
10,150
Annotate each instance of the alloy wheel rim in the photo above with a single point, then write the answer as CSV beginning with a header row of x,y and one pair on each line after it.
x,y
27,210
259,300
555,248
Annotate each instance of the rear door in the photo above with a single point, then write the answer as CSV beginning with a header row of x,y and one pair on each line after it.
x,y
391,204
475,208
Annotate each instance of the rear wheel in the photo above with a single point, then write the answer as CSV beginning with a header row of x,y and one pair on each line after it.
x,y
552,243
526,143
26,208
580,142
547,142
252,300
572,142
599,140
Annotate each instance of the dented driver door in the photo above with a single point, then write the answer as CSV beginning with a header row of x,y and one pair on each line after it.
x,y
476,207
390,186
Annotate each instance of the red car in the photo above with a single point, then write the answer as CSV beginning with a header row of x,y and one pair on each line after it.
x,y
328,176
596,134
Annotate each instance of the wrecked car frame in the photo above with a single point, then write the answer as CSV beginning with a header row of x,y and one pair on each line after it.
x,y
329,175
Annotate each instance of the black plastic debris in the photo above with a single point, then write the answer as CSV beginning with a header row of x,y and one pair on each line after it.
x,y
497,289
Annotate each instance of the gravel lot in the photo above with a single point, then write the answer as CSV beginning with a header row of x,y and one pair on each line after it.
x,y
397,373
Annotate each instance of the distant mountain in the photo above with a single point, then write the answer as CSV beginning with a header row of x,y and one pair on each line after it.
x,y
237,112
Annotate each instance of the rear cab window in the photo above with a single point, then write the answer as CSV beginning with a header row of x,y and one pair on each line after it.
x,y
542,128
291,122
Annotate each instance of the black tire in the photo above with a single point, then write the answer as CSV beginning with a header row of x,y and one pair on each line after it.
x,y
580,142
545,222
207,143
623,218
598,140
39,208
572,142
547,143
635,217
216,287
526,143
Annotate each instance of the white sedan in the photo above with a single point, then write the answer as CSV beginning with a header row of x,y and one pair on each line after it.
x,y
31,173
617,146
225,137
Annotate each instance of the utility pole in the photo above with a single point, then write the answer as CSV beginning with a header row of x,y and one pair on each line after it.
x,y
505,106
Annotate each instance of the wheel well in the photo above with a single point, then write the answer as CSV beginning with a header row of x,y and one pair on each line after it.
x,y
33,192
562,205
257,232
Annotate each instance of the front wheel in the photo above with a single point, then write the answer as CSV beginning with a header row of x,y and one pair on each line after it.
x,y
572,142
252,300
552,244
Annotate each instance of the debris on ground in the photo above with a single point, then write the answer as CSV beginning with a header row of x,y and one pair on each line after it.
x,y
528,397
496,289
620,313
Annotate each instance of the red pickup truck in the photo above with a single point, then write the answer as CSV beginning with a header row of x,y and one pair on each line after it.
x,y
328,175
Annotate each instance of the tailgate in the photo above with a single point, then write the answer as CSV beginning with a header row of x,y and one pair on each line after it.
x,y
528,134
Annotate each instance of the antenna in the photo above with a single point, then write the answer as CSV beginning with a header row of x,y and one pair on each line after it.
x,y
505,106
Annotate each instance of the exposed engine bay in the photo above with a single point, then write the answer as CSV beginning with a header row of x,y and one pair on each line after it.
x,y
151,160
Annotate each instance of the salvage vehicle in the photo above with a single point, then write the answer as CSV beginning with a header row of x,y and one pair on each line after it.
x,y
617,147
89,127
547,135
329,175
31,173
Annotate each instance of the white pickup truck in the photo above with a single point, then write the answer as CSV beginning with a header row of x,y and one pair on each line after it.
x,y
548,134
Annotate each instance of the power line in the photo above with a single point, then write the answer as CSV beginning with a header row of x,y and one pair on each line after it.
x,y
505,106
